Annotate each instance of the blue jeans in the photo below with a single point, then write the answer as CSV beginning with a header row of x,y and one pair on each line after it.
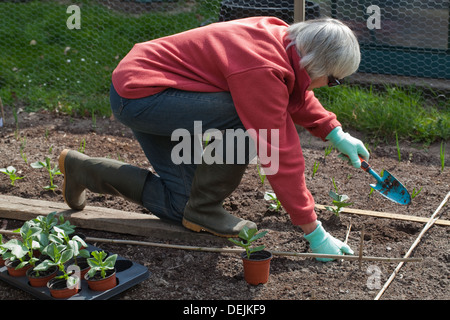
x,y
153,119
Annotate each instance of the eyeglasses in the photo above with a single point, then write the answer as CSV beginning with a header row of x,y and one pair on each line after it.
x,y
332,81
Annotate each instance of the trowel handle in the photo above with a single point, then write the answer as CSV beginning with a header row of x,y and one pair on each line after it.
x,y
364,164
367,168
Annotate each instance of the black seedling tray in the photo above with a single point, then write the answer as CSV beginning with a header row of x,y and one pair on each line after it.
x,y
128,274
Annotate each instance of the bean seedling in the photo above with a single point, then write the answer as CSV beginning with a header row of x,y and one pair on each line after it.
x,y
58,255
271,196
339,200
11,172
101,262
248,236
51,171
23,249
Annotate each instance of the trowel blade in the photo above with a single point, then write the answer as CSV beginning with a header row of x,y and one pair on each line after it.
x,y
392,189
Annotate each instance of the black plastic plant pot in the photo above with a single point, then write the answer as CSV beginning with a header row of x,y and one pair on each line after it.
x,y
128,274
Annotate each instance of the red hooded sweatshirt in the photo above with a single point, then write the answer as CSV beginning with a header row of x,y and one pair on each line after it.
x,y
249,59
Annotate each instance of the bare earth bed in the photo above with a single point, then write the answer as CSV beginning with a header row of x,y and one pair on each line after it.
x,y
191,275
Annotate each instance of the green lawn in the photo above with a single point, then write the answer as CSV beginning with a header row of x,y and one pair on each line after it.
x,y
45,65
408,112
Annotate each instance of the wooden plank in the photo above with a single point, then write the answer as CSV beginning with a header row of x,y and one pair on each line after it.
x,y
388,215
96,218
112,220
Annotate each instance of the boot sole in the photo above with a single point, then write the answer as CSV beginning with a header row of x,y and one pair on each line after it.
x,y
62,169
197,228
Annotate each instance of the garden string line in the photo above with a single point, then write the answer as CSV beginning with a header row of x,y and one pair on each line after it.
x,y
230,250
427,226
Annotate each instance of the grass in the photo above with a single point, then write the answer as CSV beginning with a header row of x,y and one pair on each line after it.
x,y
45,65
385,113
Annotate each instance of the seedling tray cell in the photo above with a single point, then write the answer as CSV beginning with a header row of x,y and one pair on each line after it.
x,y
128,274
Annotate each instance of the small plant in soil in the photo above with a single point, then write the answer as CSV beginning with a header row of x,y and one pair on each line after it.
x,y
339,200
23,249
268,195
327,151
415,192
3,250
315,168
272,197
76,244
262,176
247,237
45,223
100,263
51,171
59,255
11,173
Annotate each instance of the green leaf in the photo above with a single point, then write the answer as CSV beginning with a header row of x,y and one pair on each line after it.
x,y
79,241
66,255
236,242
73,245
250,234
37,165
342,204
111,261
16,247
67,227
243,234
255,249
21,265
258,236
45,265
55,239
11,169
84,253
334,195
93,263
91,272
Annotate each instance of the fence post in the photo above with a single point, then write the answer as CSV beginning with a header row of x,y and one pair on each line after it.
x,y
299,10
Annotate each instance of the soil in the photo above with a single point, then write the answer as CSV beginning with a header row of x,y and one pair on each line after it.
x,y
191,275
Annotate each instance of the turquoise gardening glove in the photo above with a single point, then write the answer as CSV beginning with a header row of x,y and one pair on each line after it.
x,y
321,241
348,145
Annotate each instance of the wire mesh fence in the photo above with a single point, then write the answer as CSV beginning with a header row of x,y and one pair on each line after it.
x,y
61,53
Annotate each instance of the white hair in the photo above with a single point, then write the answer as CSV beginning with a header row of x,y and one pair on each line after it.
x,y
327,47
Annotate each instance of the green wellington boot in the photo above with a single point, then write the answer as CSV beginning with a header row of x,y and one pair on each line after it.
x,y
204,210
100,175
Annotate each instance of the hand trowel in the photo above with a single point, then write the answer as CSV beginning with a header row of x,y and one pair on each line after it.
x,y
387,185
